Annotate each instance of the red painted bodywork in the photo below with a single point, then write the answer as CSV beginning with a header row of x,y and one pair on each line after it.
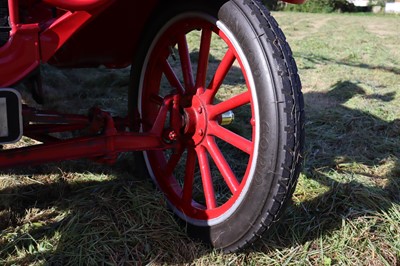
x,y
77,33
77,5
83,33
90,33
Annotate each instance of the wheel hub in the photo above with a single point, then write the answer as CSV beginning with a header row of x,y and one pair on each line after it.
x,y
196,120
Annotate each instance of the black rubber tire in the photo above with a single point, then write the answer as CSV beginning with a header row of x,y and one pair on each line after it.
x,y
281,112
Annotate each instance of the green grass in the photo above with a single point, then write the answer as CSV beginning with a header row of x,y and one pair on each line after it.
x,y
346,207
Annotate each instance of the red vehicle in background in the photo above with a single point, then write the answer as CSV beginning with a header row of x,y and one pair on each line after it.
x,y
215,104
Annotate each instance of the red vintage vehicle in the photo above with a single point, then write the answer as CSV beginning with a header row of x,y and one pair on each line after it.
x,y
215,103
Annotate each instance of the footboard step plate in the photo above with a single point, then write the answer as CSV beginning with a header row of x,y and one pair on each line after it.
x,y
11,129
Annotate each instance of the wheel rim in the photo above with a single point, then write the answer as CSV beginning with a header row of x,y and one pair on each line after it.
x,y
207,176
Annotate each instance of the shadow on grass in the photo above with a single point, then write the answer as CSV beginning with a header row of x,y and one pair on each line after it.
x,y
119,220
124,221
317,59
343,146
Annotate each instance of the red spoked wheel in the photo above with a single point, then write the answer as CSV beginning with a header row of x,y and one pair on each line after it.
x,y
235,117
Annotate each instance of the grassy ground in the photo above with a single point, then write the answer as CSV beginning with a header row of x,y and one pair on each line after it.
x,y
345,210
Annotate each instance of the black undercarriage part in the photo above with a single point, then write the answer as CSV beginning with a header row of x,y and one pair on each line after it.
x,y
4,22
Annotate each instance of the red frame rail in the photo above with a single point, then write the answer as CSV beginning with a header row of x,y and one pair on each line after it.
x,y
109,136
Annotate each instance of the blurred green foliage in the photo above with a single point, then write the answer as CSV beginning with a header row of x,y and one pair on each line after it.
x,y
312,6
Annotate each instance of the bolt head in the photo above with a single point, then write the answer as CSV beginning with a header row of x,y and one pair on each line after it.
x,y
172,135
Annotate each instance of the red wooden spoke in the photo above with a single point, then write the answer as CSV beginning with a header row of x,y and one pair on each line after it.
x,y
186,64
189,176
220,74
206,178
157,99
172,78
172,163
230,137
175,115
203,58
222,165
230,104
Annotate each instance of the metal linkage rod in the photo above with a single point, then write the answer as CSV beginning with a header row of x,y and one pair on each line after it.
x,y
104,145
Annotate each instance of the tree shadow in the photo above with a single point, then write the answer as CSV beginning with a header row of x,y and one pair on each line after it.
x,y
345,142
318,59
